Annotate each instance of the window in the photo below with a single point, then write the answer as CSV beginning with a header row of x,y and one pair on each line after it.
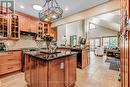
x,y
110,42
92,26
94,43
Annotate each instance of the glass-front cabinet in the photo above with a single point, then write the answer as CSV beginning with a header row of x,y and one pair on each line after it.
x,y
4,27
15,32
9,27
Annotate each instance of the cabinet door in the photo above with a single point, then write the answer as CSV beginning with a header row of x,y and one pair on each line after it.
x,y
56,73
27,69
4,27
42,74
70,71
24,23
14,30
33,25
85,58
34,72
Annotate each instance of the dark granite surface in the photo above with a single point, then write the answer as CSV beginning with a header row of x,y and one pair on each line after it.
x,y
11,50
47,57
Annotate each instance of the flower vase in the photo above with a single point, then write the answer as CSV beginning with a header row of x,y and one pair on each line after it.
x,y
48,44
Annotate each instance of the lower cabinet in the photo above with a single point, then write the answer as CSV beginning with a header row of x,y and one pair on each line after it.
x,y
10,62
70,71
54,73
57,73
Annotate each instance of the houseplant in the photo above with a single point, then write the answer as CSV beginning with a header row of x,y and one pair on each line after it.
x,y
47,38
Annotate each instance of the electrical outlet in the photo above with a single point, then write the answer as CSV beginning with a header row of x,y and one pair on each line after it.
x,y
62,65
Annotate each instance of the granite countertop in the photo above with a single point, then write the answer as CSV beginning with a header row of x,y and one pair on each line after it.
x,y
47,57
11,50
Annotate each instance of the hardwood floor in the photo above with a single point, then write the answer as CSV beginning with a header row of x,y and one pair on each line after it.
x,y
97,74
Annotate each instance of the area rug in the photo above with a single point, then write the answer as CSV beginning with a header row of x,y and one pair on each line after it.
x,y
114,66
114,63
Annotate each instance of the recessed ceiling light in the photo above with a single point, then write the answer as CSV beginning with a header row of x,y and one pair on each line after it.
x,y
66,9
37,7
21,6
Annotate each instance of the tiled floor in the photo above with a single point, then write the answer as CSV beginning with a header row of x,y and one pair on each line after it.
x,y
97,74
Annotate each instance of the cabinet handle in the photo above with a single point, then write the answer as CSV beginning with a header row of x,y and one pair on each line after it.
x,y
10,52
10,59
10,67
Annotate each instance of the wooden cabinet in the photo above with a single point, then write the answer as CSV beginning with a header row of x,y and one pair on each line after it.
x,y
124,43
70,77
14,30
40,31
34,72
9,27
59,72
42,74
27,68
4,28
10,62
28,23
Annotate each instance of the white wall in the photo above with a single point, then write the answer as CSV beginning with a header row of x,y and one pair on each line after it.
x,y
75,28
100,32
61,32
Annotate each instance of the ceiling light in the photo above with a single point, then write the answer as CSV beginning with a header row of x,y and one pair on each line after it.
x,y
21,6
37,7
51,11
66,9
54,16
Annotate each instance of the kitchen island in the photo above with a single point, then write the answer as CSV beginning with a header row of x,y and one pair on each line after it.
x,y
50,70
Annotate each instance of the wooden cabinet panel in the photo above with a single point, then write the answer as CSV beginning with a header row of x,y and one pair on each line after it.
x,y
4,27
33,25
24,23
10,61
85,58
27,70
42,74
70,71
27,23
14,29
34,72
56,73
9,68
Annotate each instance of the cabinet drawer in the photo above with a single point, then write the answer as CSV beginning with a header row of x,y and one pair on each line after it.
x,y
9,68
10,57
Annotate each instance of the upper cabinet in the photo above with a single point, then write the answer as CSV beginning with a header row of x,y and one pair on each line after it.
x,y
28,24
4,27
43,28
14,30
40,31
9,27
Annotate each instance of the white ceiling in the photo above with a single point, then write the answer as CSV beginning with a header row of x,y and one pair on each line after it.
x,y
74,6
109,20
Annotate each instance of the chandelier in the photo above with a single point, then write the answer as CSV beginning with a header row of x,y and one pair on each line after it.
x,y
51,11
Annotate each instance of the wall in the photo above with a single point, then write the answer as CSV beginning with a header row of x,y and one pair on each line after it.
x,y
61,32
100,32
24,42
75,28
106,7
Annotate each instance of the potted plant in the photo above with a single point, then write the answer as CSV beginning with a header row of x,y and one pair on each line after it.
x,y
47,38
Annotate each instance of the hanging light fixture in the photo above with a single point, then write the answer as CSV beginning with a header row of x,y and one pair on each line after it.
x,y
51,11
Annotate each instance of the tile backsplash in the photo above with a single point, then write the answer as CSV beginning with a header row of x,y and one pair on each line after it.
x,y
25,41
